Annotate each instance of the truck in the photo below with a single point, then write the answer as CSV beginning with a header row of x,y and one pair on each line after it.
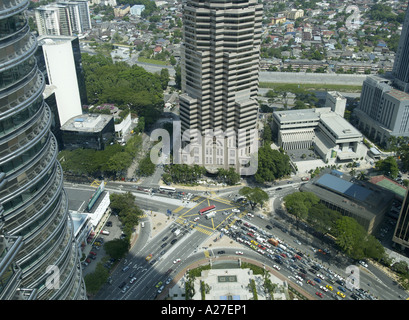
x,y
177,232
210,214
273,241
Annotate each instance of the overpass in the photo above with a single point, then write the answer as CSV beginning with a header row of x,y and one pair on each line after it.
x,y
303,77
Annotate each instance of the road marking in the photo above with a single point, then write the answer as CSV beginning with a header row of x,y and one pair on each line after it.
x,y
178,209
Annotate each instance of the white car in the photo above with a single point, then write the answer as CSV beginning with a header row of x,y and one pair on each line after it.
x,y
177,260
276,267
250,214
235,210
320,276
239,252
363,263
195,219
323,289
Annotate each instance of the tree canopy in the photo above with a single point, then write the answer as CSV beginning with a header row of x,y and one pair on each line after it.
x,y
272,165
350,236
125,86
254,196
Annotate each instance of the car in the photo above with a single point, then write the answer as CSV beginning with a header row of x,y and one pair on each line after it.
x,y
249,214
125,289
160,289
164,245
319,294
177,261
341,289
319,275
173,241
126,268
221,252
148,257
168,280
269,227
276,267
323,289
317,280
165,238
152,262
109,224
122,285
158,284
311,282
132,280
93,253
329,287
195,219
363,263
341,294
235,210
239,252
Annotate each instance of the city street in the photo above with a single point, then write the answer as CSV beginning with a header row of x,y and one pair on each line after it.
x,y
154,258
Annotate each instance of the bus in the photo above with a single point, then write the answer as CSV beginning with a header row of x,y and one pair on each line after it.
x,y
167,189
205,210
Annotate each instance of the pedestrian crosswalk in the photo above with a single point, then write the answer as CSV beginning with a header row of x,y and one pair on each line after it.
x,y
204,230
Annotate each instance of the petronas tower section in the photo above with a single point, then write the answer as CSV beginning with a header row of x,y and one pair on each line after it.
x,y
38,257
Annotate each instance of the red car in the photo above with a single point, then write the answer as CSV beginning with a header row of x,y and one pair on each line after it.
x,y
319,294
93,253
297,257
311,282
283,255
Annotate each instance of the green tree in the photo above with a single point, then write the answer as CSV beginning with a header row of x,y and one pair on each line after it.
x,y
116,248
299,203
272,164
350,237
255,196
388,166
95,280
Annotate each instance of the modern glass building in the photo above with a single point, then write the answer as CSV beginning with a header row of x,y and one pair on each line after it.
x,y
38,257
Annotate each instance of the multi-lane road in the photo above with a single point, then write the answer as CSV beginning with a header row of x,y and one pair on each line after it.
x,y
151,275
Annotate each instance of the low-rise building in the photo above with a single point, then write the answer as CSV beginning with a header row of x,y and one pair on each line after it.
x,y
331,136
93,131
367,203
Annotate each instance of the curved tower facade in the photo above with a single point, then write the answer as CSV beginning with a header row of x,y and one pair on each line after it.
x,y
34,208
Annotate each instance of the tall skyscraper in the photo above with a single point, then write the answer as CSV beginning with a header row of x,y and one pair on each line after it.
x,y
401,234
63,18
220,69
383,110
401,65
38,255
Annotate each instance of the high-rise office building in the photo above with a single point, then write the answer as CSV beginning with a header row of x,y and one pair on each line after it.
x,y
59,58
38,251
63,18
53,20
383,110
220,70
401,65
401,234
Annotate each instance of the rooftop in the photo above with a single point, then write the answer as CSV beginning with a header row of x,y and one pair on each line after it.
x,y
87,123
